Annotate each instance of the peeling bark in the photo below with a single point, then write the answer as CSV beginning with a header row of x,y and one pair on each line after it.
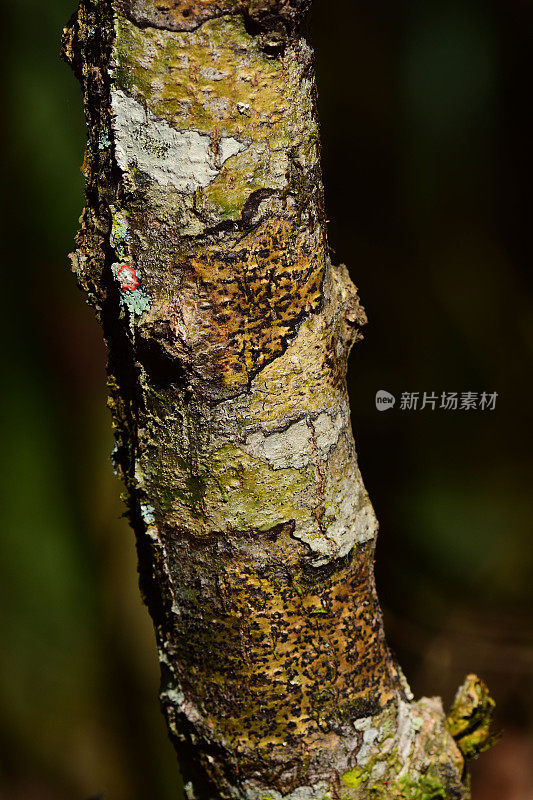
x,y
203,250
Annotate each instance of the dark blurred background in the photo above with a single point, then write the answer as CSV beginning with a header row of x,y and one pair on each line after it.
x,y
427,144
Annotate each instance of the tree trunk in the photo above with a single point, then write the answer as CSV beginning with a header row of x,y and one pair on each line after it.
x,y
203,250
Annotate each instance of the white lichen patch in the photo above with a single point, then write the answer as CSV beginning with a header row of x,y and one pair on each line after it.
x,y
290,448
369,737
301,443
189,791
326,431
363,723
174,696
103,140
409,724
147,513
212,74
348,517
186,159
137,301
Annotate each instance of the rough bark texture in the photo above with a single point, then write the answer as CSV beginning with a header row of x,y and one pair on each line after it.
x,y
203,250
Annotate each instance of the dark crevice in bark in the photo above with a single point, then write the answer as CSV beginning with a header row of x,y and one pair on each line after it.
x,y
143,23
273,22
248,220
163,369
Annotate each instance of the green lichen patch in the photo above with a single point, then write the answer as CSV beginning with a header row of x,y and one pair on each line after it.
x,y
255,168
214,78
137,301
470,718
257,497
426,787
415,786
119,231
354,777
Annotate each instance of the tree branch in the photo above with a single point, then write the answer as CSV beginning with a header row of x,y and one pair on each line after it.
x,y
203,250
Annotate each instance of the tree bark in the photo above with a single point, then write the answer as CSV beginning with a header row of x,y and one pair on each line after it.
x,y
203,249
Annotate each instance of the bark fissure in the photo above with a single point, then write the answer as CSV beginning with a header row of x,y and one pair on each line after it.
x,y
203,250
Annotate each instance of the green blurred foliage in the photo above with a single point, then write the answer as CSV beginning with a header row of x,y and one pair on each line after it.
x,y
426,133
79,709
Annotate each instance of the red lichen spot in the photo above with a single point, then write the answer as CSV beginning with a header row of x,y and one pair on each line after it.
x,y
128,277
